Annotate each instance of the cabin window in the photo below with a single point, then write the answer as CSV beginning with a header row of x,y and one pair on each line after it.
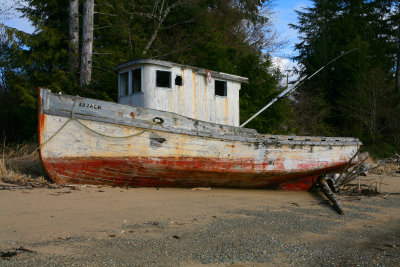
x,y
137,80
163,79
124,84
178,80
220,88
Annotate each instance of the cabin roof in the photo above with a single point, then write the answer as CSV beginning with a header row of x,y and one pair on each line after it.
x,y
214,74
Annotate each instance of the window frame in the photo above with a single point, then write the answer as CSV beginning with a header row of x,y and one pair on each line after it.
x,y
225,88
131,80
122,90
121,93
170,78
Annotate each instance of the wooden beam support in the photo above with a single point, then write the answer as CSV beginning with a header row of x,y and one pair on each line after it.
x,y
323,185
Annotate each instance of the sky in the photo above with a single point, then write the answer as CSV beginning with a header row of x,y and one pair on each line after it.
x,y
284,13
14,18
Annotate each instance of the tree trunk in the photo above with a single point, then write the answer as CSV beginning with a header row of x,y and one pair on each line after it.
x,y
398,63
73,37
397,74
87,43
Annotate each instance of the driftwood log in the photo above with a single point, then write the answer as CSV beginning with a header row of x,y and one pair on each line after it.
x,y
15,187
324,187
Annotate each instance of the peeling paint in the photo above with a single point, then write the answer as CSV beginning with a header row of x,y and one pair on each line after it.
x,y
180,152
155,140
195,96
167,172
194,99
227,122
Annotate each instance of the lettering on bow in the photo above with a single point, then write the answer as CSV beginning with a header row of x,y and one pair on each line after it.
x,y
87,105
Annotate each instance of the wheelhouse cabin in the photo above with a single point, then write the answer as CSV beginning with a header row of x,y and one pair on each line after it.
x,y
193,92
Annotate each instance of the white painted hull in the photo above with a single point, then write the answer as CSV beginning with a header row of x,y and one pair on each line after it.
x,y
92,149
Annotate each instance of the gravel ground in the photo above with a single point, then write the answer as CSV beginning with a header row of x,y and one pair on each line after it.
x,y
292,235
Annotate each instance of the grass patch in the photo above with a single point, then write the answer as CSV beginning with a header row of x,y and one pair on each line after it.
x,y
21,165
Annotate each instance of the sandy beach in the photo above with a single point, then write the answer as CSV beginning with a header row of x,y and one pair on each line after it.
x,y
105,226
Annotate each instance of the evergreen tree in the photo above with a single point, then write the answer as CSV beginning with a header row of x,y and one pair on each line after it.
x,y
32,60
352,98
228,36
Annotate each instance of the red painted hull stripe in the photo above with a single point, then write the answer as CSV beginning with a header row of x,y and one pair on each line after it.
x,y
179,172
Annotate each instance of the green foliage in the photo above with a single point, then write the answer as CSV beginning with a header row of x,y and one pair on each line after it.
x,y
228,36
260,90
356,92
30,61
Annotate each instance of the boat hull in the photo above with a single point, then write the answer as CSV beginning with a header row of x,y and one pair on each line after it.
x,y
165,173
89,150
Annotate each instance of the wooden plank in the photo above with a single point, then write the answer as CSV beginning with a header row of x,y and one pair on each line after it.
x,y
181,152
121,114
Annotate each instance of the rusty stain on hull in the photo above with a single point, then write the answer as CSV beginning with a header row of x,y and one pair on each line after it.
x,y
168,172
226,111
195,97
178,153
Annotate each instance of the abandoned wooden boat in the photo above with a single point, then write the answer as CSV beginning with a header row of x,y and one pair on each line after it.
x,y
175,126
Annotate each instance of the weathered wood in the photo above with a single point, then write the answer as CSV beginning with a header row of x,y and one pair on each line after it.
x,y
62,105
195,98
329,194
87,43
11,187
339,179
161,63
73,37
350,175
180,152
